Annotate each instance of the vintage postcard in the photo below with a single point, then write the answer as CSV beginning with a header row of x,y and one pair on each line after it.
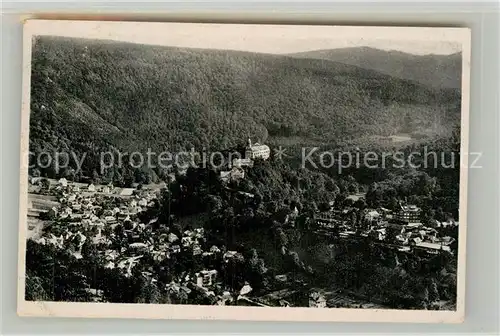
x,y
244,171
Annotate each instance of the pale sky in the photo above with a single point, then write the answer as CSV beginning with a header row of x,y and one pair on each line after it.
x,y
275,39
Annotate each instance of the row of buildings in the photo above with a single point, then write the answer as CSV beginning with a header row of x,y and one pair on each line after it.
x,y
62,184
401,228
252,152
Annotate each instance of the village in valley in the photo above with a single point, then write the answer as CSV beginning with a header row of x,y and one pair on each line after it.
x,y
126,228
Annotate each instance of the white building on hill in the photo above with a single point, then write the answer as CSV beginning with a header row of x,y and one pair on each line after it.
x,y
255,151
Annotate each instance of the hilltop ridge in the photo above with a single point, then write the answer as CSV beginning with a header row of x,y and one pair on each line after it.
x,y
439,71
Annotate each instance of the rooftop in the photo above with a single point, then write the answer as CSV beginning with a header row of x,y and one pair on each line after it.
x,y
127,192
410,208
434,246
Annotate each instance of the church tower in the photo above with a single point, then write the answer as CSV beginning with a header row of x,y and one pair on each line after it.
x,y
248,150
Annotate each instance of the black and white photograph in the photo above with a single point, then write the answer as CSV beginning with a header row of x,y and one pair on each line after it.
x,y
244,171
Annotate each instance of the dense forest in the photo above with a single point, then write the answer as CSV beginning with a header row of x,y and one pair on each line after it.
x,y
91,96
439,71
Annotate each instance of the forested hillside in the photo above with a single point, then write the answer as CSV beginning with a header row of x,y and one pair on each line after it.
x,y
88,94
439,71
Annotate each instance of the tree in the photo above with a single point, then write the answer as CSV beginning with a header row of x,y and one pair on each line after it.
x,y
182,297
214,203
118,179
69,174
45,184
433,291
34,289
424,298
360,204
272,207
295,264
35,172
348,202
354,219
283,240
148,291
96,179
324,206
256,271
340,200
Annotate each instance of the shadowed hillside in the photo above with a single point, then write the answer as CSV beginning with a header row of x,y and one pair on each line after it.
x,y
87,93
440,71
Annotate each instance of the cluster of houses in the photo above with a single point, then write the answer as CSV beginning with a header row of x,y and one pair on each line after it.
x,y
403,226
206,283
84,216
252,152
